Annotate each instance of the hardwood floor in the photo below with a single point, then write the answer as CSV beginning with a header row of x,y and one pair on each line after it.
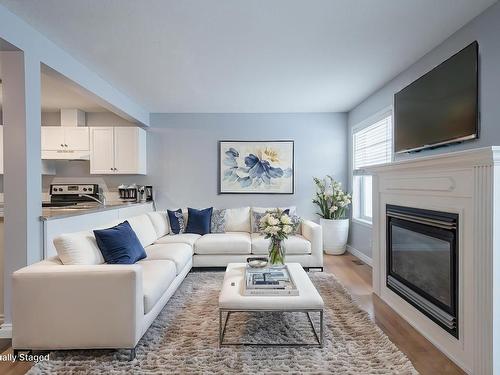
x,y
8,367
357,278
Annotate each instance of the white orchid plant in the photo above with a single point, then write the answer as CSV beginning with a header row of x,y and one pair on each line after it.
x,y
277,225
332,201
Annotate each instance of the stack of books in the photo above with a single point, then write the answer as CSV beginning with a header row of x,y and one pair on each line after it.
x,y
269,282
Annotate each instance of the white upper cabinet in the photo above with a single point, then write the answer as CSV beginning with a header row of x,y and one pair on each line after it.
x,y
117,150
102,156
59,142
52,138
76,138
129,142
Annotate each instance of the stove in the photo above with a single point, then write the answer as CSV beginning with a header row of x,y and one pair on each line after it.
x,y
67,195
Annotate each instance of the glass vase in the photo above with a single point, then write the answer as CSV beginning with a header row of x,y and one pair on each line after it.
x,y
276,253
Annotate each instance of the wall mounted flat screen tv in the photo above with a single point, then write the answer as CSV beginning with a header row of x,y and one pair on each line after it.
x,y
440,107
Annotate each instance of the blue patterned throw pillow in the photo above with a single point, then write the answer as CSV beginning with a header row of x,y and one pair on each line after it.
x,y
256,220
176,220
296,221
218,224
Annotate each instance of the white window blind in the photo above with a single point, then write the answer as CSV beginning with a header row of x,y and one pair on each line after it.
x,y
373,144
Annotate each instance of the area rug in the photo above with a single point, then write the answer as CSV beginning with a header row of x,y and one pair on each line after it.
x,y
184,340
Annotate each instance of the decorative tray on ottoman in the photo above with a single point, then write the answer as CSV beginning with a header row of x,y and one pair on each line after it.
x,y
269,281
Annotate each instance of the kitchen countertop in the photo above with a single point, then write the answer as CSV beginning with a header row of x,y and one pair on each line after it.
x,y
52,213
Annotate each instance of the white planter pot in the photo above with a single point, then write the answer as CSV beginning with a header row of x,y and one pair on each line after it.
x,y
335,234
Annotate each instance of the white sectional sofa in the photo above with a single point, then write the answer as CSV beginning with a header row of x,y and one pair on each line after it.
x,y
76,301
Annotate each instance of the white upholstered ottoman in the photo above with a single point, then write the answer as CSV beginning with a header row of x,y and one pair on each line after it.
x,y
232,300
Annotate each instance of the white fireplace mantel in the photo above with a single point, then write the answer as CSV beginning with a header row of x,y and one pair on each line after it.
x,y
466,183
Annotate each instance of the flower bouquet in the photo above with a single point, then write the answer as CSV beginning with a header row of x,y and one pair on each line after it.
x,y
277,225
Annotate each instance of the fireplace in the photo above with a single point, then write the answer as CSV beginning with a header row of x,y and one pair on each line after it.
x,y
422,262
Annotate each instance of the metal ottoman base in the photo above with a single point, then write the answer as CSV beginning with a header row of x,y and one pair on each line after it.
x,y
223,319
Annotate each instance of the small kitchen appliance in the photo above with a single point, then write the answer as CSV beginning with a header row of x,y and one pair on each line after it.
x,y
149,192
145,193
128,192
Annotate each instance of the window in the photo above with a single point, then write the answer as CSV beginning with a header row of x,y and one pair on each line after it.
x,y
372,145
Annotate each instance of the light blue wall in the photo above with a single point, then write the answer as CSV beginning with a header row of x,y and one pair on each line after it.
x,y
486,30
183,155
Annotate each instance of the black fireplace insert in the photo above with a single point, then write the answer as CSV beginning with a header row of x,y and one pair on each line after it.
x,y
422,262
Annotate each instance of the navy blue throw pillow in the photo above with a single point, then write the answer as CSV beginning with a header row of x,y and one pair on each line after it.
x,y
199,221
176,220
119,244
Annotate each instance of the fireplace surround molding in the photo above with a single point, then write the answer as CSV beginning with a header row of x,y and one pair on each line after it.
x,y
466,183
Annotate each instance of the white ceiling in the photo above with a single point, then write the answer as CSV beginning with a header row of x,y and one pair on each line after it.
x,y
59,92
248,55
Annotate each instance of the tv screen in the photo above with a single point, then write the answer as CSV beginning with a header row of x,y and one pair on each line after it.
x,y
440,107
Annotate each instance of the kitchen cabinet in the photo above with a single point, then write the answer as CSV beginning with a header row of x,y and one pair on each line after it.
x,y
52,138
77,138
59,142
102,159
117,150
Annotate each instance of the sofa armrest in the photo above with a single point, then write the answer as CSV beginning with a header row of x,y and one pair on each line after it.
x,y
59,306
314,234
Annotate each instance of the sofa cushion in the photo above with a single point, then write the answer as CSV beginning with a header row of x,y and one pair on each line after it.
x,y
119,244
143,228
179,253
157,275
199,220
224,243
160,223
78,248
294,245
238,219
188,238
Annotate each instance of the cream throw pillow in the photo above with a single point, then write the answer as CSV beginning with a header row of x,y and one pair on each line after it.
x,y
78,248
238,219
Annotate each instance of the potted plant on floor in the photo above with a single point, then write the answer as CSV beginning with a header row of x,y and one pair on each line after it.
x,y
333,203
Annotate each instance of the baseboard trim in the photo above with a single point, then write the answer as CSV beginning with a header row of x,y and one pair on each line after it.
x,y
6,331
358,254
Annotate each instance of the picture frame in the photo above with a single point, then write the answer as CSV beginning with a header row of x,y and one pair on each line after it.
x,y
256,167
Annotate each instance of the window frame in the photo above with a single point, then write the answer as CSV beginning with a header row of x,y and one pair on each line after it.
x,y
358,186
358,215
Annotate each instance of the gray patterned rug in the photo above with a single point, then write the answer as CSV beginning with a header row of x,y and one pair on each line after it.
x,y
184,337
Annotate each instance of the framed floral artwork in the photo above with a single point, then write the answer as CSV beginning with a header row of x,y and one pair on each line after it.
x,y
256,167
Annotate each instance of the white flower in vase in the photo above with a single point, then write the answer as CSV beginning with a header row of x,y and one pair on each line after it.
x,y
285,219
